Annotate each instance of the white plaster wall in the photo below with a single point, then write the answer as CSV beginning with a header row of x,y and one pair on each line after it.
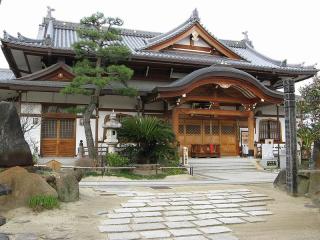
x,y
49,97
31,108
80,134
185,41
201,43
114,102
270,109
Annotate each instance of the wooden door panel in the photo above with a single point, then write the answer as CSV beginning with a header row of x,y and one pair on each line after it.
x,y
58,137
228,138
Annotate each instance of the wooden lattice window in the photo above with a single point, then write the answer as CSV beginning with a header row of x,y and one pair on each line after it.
x,y
66,128
269,129
215,130
193,129
229,130
49,128
207,129
181,129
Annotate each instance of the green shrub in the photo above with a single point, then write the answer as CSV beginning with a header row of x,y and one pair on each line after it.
x,y
116,160
154,140
42,202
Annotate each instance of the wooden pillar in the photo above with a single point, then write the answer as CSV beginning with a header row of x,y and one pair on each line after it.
x,y
175,121
251,133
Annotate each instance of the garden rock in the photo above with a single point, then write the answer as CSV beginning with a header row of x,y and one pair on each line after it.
x,y
303,183
14,150
67,186
3,236
314,187
280,181
2,221
23,185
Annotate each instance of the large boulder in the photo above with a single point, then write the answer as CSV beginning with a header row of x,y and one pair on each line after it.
x,y
23,185
281,180
66,183
314,187
14,150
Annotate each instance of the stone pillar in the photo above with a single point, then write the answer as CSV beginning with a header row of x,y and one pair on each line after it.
x,y
251,134
291,137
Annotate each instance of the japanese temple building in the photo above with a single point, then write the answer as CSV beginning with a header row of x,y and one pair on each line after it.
x,y
212,91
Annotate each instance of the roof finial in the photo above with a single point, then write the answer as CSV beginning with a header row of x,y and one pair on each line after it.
x,y
195,14
49,11
246,36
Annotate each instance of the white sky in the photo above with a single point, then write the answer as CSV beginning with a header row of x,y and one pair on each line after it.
x,y
280,29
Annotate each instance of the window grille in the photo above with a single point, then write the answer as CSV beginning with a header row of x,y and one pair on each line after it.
x,y
66,128
193,129
49,128
269,129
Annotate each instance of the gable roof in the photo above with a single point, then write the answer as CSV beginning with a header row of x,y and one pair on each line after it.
x,y
54,35
59,71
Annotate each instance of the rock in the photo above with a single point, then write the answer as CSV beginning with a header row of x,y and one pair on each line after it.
x,y
4,190
24,185
67,186
303,183
314,188
14,150
3,236
281,180
3,221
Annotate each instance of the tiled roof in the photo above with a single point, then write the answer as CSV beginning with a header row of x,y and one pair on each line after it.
x,y
6,74
61,35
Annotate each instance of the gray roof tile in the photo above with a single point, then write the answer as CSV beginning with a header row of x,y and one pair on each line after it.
x,y
64,35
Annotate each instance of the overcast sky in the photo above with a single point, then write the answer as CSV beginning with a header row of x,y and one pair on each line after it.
x,y
280,29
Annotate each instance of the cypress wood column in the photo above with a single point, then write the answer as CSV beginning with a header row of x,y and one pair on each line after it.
x,y
251,133
291,137
175,121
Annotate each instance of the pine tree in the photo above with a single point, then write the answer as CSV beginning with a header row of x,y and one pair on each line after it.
x,y
98,53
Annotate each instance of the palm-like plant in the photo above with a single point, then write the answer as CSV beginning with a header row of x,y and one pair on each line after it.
x,y
154,139
307,137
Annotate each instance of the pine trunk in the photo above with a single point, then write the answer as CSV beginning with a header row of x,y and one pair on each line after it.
x,y
87,128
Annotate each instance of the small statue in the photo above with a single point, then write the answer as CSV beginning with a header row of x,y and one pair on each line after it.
x,y
49,11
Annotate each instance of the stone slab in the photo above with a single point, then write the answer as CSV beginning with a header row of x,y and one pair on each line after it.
x,y
202,211
147,214
157,204
253,209
227,205
234,214
197,237
200,202
182,224
155,234
180,203
148,219
208,215
114,228
231,220
125,210
259,213
185,232
218,201
197,207
207,222
216,229
226,210
178,199
115,221
254,219
139,201
222,237
177,213
123,236
177,208
180,218
150,209
133,205
253,204
147,226
119,215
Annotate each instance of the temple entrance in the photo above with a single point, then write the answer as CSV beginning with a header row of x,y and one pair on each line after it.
x,y
210,131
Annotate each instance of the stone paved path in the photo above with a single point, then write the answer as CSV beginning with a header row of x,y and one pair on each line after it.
x,y
182,215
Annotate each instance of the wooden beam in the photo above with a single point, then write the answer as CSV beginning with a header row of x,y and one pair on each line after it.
x,y
218,112
218,99
251,133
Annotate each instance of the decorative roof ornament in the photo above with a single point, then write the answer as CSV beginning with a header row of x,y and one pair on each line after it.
x,y
283,63
195,15
245,35
195,36
5,35
49,12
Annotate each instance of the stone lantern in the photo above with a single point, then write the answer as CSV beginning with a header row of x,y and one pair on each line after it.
x,y
111,127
